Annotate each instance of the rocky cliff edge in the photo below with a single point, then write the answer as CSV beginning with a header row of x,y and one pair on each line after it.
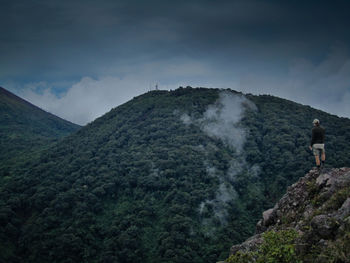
x,y
310,223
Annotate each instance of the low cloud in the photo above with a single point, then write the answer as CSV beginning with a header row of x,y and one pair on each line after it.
x,y
90,98
324,85
85,100
221,121
225,194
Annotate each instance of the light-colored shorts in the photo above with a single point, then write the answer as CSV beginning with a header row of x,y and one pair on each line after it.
x,y
318,148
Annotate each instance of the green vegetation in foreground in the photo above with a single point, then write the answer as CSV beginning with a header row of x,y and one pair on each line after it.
x,y
277,247
311,223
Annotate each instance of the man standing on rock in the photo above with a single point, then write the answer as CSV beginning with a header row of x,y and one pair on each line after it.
x,y
317,143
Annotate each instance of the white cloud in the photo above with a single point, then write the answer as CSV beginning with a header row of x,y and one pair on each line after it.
x,y
90,98
221,120
324,85
85,100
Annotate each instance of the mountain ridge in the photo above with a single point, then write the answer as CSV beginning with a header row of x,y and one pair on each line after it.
x,y
155,177
25,128
4,93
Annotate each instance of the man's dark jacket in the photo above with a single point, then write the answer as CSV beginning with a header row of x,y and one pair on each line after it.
x,y
317,135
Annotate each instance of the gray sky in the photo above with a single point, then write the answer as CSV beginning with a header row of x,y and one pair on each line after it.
x,y
78,59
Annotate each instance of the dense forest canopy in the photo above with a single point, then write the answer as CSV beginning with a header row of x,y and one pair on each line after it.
x,y
170,176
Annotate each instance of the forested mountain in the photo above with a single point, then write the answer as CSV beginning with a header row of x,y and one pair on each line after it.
x,y
170,176
25,128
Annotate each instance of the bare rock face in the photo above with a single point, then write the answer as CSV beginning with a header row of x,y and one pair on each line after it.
x,y
317,206
324,180
250,244
268,217
324,226
344,210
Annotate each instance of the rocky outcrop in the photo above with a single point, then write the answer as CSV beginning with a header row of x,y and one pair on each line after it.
x,y
249,245
318,208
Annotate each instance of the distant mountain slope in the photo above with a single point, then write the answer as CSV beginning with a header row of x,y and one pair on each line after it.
x,y
170,176
25,127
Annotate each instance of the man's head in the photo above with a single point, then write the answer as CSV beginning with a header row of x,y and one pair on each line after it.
x,y
316,122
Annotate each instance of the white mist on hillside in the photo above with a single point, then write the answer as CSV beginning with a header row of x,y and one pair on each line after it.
x,y
222,121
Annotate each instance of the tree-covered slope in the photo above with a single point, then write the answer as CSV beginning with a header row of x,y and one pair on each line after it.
x,y
170,176
25,128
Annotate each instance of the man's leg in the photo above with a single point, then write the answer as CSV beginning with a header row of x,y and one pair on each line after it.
x,y
317,155
323,157
317,158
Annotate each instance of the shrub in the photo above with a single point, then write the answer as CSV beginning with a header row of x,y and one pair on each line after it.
x,y
241,257
277,247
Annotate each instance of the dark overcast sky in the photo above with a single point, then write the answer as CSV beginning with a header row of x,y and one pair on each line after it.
x,y
80,58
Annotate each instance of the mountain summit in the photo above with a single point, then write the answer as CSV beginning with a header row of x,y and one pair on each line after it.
x,y
170,176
